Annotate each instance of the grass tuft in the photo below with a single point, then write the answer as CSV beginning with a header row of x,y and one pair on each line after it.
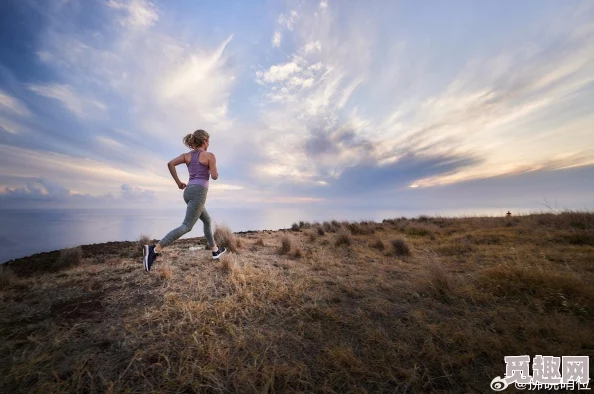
x,y
225,237
343,237
68,258
7,276
142,240
400,247
378,244
286,245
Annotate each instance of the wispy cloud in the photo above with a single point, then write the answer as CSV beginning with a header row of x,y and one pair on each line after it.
x,y
317,131
79,106
139,14
340,94
12,105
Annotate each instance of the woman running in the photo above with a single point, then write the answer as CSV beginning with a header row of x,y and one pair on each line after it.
x,y
201,165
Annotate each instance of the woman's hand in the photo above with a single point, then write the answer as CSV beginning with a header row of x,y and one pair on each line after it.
x,y
181,185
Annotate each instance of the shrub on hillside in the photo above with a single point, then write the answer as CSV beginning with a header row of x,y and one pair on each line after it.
x,y
343,237
400,247
224,237
286,245
68,258
7,276
378,244
142,240
312,235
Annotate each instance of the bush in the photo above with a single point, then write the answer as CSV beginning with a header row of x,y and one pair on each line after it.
x,y
224,237
304,225
7,276
228,262
142,240
400,247
312,235
362,228
296,252
321,231
343,237
286,245
329,227
294,227
378,244
69,258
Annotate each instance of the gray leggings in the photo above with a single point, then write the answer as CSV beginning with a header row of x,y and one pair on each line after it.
x,y
195,197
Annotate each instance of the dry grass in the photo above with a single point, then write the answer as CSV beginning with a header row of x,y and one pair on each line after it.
x,y
225,237
286,244
142,240
228,262
343,237
164,272
7,276
378,244
400,247
68,258
339,320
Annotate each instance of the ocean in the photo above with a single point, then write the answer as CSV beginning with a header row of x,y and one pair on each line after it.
x,y
24,232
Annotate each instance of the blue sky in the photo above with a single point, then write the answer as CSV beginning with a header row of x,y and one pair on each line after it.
x,y
387,104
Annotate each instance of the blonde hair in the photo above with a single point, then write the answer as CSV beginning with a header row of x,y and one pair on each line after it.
x,y
196,139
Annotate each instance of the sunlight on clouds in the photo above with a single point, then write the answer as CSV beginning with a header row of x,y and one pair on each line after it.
x,y
110,142
492,102
10,126
166,83
562,161
141,14
13,104
72,170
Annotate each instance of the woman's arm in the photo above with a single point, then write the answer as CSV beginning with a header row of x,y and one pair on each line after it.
x,y
171,165
212,165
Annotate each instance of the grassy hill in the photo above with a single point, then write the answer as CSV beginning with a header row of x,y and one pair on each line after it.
x,y
407,305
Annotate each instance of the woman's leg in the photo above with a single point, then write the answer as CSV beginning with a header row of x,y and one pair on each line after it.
x,y
205,217
195,197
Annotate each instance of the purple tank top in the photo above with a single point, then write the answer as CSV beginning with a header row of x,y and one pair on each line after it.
x,y
199,173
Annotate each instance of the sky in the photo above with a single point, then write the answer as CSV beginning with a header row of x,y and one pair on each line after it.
x,y
352,104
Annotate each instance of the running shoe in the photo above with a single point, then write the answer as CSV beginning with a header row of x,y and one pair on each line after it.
x,y
217,254
149,256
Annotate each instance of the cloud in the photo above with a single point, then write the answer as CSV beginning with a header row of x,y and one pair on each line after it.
x,y
276,40
80,106
335,109
53,193
288,20
139,14
44,191
313,46
280,72
13,105
159,86
88,174
135,193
